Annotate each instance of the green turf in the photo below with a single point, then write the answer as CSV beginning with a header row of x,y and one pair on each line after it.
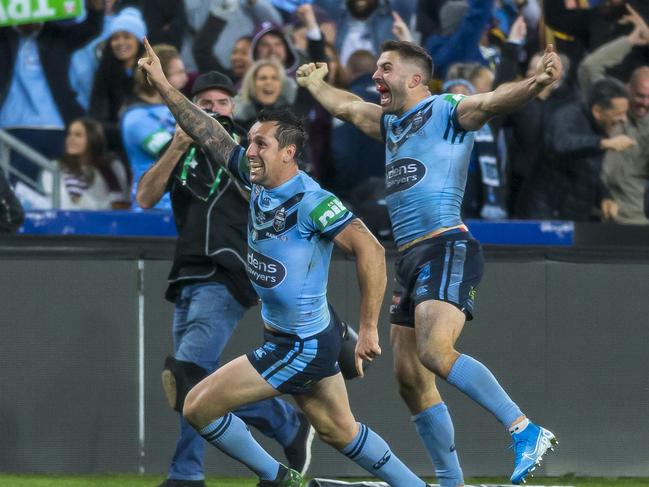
x,y
154,481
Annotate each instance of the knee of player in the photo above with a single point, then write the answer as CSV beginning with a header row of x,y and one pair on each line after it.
x,y
192,409
437,361
337,435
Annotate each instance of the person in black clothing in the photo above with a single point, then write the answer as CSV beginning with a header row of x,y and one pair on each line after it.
x,y
524,129
209,285
567,184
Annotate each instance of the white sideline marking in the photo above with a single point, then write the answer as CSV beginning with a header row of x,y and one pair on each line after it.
x,y
333,483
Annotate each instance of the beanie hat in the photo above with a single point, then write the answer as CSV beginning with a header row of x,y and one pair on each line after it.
x,y
451,15
129,20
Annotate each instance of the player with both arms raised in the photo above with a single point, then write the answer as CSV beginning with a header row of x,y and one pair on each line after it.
x,y
428,145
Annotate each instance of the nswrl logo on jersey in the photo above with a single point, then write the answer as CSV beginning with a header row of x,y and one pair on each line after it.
x,y
327,212
279,222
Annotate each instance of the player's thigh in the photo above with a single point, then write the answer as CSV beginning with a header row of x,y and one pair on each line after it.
x,y
416,383
438,325
327,407
232,385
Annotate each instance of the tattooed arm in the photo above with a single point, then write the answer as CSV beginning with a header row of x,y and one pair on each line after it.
x,y
207,132
356,239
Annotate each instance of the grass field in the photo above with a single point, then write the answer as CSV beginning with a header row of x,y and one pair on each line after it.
x,y
154,481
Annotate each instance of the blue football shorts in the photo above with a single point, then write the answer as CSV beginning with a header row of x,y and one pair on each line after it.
x,y
444,268
293,365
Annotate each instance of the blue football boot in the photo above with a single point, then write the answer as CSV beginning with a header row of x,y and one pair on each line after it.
x,y
530,445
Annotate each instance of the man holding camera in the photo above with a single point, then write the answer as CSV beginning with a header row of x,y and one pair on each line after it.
x,y
208,283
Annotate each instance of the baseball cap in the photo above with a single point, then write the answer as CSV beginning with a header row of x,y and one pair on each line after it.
x,y
213,81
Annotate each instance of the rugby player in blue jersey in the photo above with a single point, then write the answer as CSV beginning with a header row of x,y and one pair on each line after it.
x,y
292,227
428,145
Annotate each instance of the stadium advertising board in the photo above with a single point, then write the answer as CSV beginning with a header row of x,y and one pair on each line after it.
x,y
15,12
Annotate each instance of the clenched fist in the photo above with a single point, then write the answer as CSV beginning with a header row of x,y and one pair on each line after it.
x,y
311,73
549,67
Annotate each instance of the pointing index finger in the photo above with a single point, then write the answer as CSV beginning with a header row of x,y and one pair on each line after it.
x,y
147,46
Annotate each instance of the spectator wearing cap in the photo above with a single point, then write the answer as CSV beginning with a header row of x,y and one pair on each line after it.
x,y
214,92
208,284
37,101
462,24
114,78
147,125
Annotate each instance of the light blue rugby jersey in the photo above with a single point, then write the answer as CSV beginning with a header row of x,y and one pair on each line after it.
x,y
427,159
290,239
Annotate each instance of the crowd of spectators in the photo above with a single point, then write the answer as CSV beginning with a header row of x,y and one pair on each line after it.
x,y
580,151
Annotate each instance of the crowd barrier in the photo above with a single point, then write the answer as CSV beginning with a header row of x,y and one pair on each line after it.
x,y
86,331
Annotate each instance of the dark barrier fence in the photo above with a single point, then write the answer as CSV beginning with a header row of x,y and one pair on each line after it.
x,y
85,331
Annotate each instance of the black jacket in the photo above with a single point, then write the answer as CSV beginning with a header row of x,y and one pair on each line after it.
x,y
525,128
56,43
568,184
212,230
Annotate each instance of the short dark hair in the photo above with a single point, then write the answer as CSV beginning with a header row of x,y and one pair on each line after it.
x,y
412,52
604,90
290,127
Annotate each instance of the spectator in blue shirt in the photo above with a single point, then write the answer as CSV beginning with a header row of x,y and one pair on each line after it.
x,y
147,124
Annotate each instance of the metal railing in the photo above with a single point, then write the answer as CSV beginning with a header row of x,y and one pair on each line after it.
x,y
9,143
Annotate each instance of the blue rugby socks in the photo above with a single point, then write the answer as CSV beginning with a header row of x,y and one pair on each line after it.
x,y
231,435
475,380
435,429
372,453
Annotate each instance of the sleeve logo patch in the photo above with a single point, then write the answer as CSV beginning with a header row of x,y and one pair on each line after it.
x,y
327,212
454,99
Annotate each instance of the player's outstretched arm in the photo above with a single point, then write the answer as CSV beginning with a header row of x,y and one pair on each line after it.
x,y
340,103
356,239
206,131
476,110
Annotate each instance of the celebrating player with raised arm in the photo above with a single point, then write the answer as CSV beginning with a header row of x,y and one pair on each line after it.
x,y
292,227
428,145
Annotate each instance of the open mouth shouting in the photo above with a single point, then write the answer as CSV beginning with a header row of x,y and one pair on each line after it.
x,y
384,92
